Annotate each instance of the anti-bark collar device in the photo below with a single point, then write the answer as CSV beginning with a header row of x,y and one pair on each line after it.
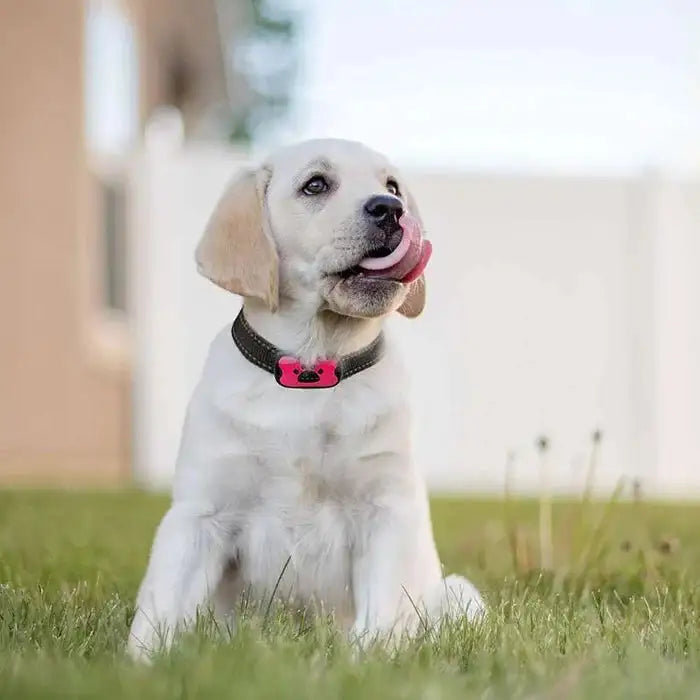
x,y
289,371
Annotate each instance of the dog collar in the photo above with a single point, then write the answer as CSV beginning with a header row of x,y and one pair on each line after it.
x,y
289,371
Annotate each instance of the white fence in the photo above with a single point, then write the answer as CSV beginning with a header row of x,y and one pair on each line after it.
x,y
557,306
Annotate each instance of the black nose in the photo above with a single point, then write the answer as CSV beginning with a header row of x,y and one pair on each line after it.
x,y
385,210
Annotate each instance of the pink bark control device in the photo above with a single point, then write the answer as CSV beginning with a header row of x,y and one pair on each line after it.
x,y
292,374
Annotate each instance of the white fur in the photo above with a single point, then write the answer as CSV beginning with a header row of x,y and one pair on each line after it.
x,y
320,479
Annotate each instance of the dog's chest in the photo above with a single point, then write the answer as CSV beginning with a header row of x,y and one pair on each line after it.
x,y
315,441
313,491
299,542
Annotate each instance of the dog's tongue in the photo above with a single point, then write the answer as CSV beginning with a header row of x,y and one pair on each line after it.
x,y
407,261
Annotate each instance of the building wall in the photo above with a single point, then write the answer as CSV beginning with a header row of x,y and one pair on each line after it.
x,y
65,361
64,403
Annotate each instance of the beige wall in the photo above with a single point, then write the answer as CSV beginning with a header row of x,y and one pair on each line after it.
x,y
65,373
64,412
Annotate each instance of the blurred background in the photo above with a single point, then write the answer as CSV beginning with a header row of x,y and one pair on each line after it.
x,y
553,147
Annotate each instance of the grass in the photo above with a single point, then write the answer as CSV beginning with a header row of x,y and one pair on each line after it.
x,y
614,615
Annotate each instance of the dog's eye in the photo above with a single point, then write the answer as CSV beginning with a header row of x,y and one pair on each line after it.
x,y
316,185
393,187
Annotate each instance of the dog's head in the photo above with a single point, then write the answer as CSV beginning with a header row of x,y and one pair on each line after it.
x,y
329,223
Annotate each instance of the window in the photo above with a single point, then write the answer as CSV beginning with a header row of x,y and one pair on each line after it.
x,y
111,126
114,253
111,78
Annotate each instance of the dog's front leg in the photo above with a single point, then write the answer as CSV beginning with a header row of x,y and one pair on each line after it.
x,y
383,576
188,556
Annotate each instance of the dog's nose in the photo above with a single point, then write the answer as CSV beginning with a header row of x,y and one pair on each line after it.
x,y
385,210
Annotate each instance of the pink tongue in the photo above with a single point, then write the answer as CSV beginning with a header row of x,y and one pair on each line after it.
x,y
417,271
407,262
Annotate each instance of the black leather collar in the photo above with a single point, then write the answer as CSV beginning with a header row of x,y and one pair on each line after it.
x,y
289,371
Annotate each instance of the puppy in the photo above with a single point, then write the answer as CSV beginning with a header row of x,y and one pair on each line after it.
x,y
294,474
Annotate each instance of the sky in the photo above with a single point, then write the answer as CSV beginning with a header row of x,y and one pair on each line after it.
x,y
555,85
602,86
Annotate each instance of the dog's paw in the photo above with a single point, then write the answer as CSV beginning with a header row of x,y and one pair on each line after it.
x,y
147,638
458,598
139,653
361,637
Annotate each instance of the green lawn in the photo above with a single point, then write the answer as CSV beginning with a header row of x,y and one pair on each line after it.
x,y
615,616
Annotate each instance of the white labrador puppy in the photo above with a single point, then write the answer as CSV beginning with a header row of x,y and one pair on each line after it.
x,y
295,456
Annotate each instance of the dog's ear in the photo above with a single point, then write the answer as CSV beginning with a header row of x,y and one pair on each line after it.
x,y
236,251
415,299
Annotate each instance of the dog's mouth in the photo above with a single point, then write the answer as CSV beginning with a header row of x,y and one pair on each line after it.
x,y
405,263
